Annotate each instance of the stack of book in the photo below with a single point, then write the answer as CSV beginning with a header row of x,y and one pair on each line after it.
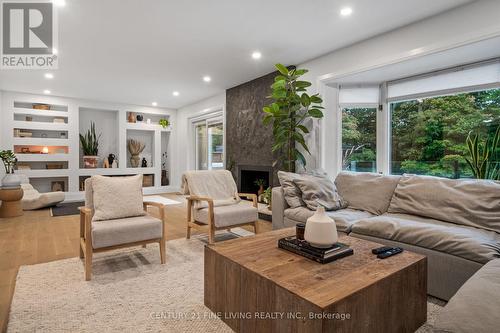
x,y
321,255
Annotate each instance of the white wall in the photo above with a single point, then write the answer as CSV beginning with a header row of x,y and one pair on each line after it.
x,y
3,141
184,160
464,25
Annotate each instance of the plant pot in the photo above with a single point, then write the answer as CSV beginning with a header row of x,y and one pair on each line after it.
x,y
11,180
321,230
90,162
134,161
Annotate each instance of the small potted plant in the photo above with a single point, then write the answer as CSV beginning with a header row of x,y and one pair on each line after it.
x,y
135,148
267,195
164,123
90,146
9,161
260,183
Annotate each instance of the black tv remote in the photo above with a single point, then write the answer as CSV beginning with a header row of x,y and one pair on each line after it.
x,y
389,253
381,249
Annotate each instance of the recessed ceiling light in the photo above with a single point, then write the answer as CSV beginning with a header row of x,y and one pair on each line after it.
x,y
346,11
256,55
207,78
60,3
175,93
154,104
46,92
49,75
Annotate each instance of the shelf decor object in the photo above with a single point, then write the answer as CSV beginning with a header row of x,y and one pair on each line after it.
x,y
90,147
321,230
164,123
41,107
135,148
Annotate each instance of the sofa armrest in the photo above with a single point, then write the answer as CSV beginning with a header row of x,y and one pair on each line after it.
x,y
279,205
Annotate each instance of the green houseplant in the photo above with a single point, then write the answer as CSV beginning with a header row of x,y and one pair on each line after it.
x,y
268,195
260,183
90,146
10,180
291,107
482,156
164,123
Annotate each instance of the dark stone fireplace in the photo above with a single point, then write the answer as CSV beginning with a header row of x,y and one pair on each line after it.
x,y
248,174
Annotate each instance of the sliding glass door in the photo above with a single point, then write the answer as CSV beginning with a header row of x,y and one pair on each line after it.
x,y
209,144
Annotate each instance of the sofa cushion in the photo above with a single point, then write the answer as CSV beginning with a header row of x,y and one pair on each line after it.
x,y
370,192
474,244
468,202
344,218
225,216
293,196
319,191
474,308
126,230
117,197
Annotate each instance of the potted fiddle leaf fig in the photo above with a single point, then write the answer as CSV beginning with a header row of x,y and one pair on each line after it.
x,y
90,146
291,108
9,162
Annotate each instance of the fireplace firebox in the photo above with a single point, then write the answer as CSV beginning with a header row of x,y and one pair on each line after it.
x,y
248,174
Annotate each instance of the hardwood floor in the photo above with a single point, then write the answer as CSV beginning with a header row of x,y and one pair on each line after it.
x,y
36,237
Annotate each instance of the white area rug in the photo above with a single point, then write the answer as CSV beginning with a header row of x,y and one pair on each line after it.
x,y
160,199
129,292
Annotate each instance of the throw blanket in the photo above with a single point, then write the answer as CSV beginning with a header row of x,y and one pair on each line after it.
x,y
218,185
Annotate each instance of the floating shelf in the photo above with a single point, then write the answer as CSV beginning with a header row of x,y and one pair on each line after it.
x,y
116,171
42,157
141,126
40,125
51,173
30,141
41,113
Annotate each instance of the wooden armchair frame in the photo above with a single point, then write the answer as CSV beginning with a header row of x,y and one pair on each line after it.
x,y
87,251
210,228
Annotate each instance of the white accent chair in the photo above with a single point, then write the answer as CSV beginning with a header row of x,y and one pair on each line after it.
x,y
118,233
215,204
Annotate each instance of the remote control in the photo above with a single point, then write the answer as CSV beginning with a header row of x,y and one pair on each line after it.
x,y
389,253
381,249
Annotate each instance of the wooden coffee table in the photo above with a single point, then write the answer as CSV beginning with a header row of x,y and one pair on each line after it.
x,y
256,287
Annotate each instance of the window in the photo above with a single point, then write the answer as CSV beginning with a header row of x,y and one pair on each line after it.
x,y
359,136
209,144
428,135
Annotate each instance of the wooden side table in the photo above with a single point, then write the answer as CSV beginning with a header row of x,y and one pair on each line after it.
x,y
11,202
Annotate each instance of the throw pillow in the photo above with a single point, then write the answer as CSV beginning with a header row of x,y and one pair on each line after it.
x,y
117,197
293,197
319,191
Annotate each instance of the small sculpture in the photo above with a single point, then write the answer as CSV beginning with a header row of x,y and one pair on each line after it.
x,y
144,163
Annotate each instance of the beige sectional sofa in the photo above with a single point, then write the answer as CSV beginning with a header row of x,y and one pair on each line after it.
x,y
455,223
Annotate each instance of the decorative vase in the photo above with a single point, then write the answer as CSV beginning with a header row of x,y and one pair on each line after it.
x,y
111,159
90,162
11,180
131,117
140,117
164,178
134,161
321,230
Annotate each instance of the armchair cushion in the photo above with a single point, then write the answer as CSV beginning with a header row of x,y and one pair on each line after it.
x,y
125,230
117,197
226,216
217,185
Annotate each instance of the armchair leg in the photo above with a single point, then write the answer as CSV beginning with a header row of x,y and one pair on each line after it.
x,y
162,251
189,214
82,255
256,227
211,236
188,231
88,264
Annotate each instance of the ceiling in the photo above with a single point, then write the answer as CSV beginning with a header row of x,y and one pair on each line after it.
x,y
141,51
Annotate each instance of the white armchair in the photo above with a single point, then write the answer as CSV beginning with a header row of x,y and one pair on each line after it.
x,y
215,204
105,235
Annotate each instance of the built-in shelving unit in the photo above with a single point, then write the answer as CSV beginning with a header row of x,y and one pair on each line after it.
x,y
44,133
